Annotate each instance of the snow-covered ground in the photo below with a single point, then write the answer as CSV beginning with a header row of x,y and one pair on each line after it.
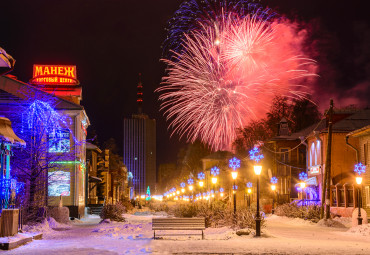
x,y
281,236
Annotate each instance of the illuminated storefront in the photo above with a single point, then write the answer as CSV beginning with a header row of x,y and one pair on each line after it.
x,y
67,145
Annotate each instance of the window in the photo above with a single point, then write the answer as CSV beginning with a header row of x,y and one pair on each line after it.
x,y
341,198
334,197
365,153
350,197
59,141
318,153
312,154
284,155
367,196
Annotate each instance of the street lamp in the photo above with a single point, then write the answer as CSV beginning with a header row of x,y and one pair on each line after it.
x,y
234,163
273,188
359,169
302,184
249,192
257,171
234,175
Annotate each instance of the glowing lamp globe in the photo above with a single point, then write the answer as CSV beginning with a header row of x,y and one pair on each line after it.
x,y
221,194
257,169
302,184
191,187
201,184
182,190
249,191
273,187
234,175
359,180
214,180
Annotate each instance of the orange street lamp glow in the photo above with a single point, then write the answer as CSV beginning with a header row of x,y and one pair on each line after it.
x,y
201,183
234,175
257,169
214,180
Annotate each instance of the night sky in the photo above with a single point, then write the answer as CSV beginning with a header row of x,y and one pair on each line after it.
x,y
111,41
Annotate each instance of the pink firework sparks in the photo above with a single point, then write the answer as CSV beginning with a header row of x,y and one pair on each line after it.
x,y
229,74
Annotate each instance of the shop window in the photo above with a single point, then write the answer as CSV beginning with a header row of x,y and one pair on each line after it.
x,y
334,201
350,197
341,198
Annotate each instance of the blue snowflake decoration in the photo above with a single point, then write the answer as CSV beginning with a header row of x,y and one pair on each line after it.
x,y
190,181
204,194
221,190
360,168
249,185
208,193
212,192
303,176
182,185
235,187
274,180
201,176
215,171
234,163
255,154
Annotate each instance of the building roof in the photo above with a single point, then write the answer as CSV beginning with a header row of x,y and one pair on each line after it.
x,y
12,87
360,132
353,122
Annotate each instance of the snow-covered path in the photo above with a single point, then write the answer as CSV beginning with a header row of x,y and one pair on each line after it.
x,y
281,236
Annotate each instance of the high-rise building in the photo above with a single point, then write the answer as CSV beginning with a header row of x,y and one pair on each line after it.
x,y
139,147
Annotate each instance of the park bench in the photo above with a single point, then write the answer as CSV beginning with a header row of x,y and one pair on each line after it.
x,y
179,224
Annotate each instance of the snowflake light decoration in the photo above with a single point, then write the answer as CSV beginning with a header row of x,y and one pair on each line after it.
x,y
182,185
303,176
215,171
360,168
255,154
190,181
201,176
235,187
234,163
212,191
221,190
249,185
274,180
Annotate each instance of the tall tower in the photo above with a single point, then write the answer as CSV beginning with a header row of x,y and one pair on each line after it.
x,y
139,146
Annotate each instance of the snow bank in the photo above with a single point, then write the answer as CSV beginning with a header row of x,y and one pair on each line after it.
x,y
46,226
287,220
330,223
361,230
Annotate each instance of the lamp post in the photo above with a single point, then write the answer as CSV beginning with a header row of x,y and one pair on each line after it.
x,y
273,188
191,182
255,155
249,192
234,175
214,172
234,163
359,169
359,181
257,171
302,184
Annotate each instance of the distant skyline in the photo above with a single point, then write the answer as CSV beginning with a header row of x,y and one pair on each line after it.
x,y
112,41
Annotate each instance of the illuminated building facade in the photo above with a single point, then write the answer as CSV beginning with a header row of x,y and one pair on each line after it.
x,y
139,148
67,146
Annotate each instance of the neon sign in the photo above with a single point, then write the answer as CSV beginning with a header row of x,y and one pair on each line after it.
x,y
54,75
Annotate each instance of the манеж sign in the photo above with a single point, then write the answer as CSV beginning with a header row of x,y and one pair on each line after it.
x,y
54,75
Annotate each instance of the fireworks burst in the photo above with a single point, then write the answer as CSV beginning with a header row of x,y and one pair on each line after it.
x,y
228,74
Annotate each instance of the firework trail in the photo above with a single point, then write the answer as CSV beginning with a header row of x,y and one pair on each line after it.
x,y
227,74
